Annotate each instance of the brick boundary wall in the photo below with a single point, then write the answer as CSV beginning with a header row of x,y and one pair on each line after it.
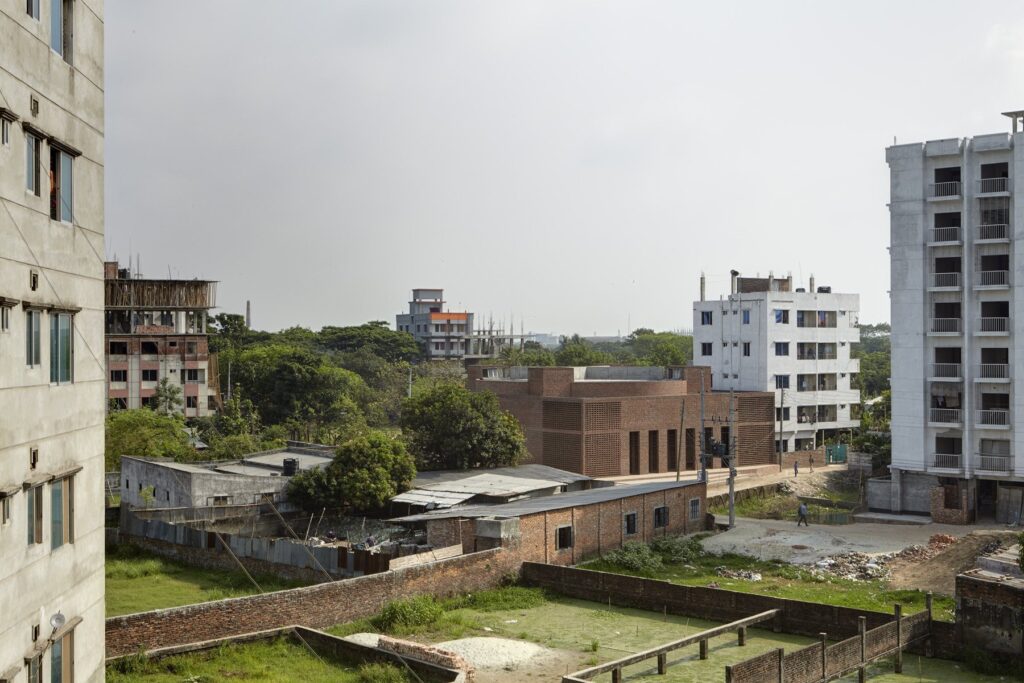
x,y
318,606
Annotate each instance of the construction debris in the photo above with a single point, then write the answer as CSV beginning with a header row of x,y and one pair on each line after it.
x,y
861,567
738,574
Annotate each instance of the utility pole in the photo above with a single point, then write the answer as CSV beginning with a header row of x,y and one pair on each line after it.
x,y
703,446
782,409
731,446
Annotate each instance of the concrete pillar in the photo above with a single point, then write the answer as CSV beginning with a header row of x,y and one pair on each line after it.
x,y
741,634
862,629
781,654
862,675
823,637
662,663
896,490
928,606
617,675
704,649
898,613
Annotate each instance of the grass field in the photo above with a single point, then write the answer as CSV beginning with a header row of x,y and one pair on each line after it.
x,y
590,633
274,661
138,581
787,581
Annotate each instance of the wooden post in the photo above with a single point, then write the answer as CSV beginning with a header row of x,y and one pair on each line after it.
x,y
662,663
862,629
862,675
617,675
898,612
741,633
704,648
823,637
782,664
728,673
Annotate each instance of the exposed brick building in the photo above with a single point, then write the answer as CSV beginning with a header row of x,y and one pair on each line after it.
x,y
611,421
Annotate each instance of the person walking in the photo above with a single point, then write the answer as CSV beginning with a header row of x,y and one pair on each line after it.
x,y
801,514
796,468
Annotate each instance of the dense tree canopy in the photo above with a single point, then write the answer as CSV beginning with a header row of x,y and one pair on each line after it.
x,y
375,337
143,432
449,427
873,350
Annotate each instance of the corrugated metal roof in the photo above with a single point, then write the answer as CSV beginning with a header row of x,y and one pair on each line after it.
x,y
440,499
536,472
561,501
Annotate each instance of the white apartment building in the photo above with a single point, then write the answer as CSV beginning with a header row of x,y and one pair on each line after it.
x,y
52,376
766,336
956,391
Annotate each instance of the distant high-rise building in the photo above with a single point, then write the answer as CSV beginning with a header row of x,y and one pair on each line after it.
x,y
52,371
766,336
157,329
956,408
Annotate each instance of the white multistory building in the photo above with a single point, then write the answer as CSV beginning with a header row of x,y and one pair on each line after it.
x,y
52,376
956,407
766,336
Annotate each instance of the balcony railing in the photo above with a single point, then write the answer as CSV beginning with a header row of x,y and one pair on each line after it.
x,y
945,279
994,231
944,415
946,370
950,461
946,234
806,355
993,324
994,418
994,371
949,189
993,278
993,185
945,325
992,462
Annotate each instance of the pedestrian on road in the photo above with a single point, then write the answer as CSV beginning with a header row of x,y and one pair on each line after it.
x,y
796,468
812,462
802,515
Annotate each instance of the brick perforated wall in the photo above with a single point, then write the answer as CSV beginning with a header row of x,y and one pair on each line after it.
x,y
604,416
563,451
563,415
602,454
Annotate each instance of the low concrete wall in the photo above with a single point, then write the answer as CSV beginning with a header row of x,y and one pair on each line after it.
x,y
880,494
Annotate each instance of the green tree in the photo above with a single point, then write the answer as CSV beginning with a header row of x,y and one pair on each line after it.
x,y
376,337
143,432
576,351
232,447
167,396
449,427
660,348
366,472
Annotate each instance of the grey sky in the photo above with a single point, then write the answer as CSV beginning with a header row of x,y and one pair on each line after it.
x,y
573,164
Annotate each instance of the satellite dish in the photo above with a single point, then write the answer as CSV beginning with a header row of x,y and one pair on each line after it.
x,y
57,620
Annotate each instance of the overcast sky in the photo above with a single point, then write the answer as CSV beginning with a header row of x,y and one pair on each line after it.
x,y
575,165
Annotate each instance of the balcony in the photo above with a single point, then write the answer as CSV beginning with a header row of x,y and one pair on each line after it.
x,y
992,279
999,419
947,461
945,372
994,232
993,325
945,326
945,235
948,190
944,281
993,185
944,416
993,462
993,372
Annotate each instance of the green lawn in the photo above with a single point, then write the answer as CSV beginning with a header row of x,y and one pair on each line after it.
x,y
788,581
138,581
280,660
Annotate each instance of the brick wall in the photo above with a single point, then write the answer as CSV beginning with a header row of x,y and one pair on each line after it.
x,y
317,606
990,613
941,514
804,458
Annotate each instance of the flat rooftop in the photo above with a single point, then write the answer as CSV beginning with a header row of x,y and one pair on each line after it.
x,y
276,460
592,373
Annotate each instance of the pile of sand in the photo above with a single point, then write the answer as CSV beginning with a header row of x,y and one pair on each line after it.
x,y
494,653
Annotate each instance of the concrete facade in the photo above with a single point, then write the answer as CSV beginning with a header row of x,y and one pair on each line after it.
x,y
612,421
51,339
955,265
157,329
765,335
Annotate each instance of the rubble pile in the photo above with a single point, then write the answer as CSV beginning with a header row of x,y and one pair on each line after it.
x,y
744,574
860,567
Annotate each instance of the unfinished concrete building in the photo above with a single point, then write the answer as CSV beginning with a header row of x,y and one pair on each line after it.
x,y
613,421
157,329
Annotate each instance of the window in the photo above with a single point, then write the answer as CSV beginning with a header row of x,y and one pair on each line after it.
x,y
191,347
694,509
746,316
194,376
119,404
62,659
706,317
5,510
149,402
782,414
782,381
781,348
118,375
61,348
33,458
61,17
629,520
32,338
35,669
5,132
61,512
32,8
746,348
782,316
705,349
661,516
118,348
5,318
222,500
563,537
652,450
781,446
61,186
191,401
150,375
35,515
32,163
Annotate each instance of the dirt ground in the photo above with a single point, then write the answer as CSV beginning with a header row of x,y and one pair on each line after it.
x,y
938,574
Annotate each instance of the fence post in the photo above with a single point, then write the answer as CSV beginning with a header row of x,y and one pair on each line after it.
x,y
782,664
617,675
704,648
928,606
662,663
898,610
862,629
823,637
728,673
741,633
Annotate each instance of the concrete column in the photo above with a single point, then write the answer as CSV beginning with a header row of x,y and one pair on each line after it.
x,y
823,637
928,606
898,613
704,649
862,675
862,629
662,663
741,634
896,490
781,654
617,675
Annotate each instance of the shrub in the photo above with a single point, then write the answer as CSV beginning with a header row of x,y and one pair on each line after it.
x,y
382,673
423,609
635,557
508,597
677,550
